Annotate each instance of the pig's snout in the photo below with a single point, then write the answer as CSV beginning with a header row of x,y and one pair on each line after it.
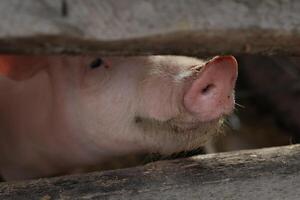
x,y
211,94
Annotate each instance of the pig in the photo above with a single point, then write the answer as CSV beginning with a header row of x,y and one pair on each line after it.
x,y
59,114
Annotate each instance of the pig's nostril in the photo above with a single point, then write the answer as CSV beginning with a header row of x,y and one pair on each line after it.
x,y
207,89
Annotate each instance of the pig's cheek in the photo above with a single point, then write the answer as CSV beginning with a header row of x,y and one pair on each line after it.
x,y
92,78
160,99
108,111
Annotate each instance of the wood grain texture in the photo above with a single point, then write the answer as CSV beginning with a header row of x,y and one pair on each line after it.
x,y
271,173
127,27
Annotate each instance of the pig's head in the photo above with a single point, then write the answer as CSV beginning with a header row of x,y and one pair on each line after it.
x,y
184,101
120,105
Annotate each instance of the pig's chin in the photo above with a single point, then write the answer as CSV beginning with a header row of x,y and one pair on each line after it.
x,y
176,135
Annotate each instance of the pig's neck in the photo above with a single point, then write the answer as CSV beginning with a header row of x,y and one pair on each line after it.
x,y
37,132
65,123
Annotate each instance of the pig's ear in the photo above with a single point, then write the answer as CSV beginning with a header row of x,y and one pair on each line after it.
x,y
20,67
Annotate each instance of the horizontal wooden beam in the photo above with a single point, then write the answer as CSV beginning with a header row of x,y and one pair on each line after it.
x,y
271,173
127,27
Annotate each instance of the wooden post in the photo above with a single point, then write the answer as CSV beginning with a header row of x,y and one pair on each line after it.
x,y
271,173
130,27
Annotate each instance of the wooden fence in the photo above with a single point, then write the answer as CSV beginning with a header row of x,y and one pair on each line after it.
x,y
141,27
191,27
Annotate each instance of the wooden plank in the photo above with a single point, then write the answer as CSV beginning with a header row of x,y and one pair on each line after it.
x,y
271,173
192,27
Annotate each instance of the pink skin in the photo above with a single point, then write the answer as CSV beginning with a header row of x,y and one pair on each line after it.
x,y
58,115
213,90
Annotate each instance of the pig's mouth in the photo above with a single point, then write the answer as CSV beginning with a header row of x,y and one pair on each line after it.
x,y
189,127
186,126
176,135
177,126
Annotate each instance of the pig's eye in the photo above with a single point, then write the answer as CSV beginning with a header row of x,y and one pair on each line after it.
x,y
96,63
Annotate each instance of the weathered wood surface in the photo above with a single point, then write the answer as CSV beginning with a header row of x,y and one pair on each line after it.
x,y
272,173
193,27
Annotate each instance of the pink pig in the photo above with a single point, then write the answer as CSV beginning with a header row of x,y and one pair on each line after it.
x,y
62,113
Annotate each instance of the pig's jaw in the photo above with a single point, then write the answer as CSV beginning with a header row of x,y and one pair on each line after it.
x,y
175,135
